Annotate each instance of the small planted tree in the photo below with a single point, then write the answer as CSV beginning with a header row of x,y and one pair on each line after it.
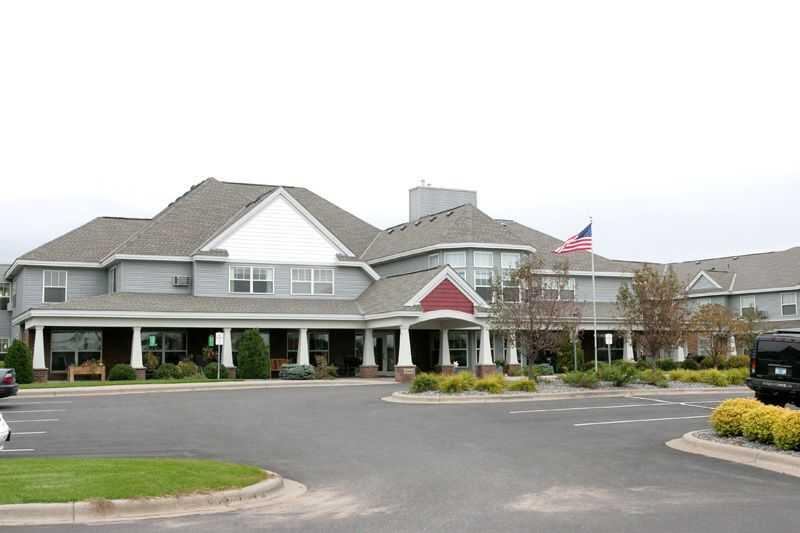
x,y
19,358
719,324
654,309
253,356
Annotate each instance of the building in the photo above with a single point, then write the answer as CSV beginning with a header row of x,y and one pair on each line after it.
x,y
320,284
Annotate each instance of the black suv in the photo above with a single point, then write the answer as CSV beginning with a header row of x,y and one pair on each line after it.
x,y
775,368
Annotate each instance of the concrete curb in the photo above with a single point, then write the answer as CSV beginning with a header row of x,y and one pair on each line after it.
x,y
115,390
406,398
30,514
773,461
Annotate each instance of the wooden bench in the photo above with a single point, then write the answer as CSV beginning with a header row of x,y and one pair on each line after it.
x,y
275,366
86,370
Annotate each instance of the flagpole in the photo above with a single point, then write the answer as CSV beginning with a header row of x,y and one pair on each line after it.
x,y
594,299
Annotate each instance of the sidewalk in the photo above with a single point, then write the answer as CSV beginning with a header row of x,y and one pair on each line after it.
x,y
111,390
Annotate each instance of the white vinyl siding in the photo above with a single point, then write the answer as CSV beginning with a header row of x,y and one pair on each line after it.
x,y
312,281
789,304
54,286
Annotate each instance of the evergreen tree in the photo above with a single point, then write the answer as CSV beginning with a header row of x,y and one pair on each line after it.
x,y
253,356
20,359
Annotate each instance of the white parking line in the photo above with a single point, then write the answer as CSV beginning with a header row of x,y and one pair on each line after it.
x,y
33,420
639,420
586,408
18,450
21,433
22,401
36,411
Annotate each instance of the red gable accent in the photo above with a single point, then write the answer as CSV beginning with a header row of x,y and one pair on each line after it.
x,y
447,296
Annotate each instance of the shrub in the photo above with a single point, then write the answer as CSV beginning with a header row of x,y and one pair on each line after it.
x,y
786,432
325,371
296,372
691,364
566,359
727,417
425,382
167,371
188,369
543,369
253,356
460,382
619,373
210,371
686,376
654,376
494,384
738,361
666,364
514,371
737,375
714,377
19,358
122,372
151,361
644,364
758,423
523,385
587,379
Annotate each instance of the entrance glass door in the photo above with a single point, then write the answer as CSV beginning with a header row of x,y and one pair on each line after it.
x,y
385,352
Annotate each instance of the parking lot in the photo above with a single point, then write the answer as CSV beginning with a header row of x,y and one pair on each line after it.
x,y
568,465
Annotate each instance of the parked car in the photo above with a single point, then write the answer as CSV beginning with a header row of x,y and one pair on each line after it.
x,y
5,432
775,368
8,382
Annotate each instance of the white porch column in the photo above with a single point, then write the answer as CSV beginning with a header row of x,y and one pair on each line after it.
x,y
136,348
485,355
732,345
680,353
302,347
227,348
444,348
368,356
38,349
627,354
404,352
512,352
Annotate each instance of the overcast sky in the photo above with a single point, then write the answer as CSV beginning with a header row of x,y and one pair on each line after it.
x,y
676,125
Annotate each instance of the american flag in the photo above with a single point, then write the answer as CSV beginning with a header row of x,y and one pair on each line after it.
x,y
581,241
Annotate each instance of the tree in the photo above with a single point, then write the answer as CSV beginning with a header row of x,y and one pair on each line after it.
x,y
752,325
253,356
535,306
719,324
20,359
569,354
654,309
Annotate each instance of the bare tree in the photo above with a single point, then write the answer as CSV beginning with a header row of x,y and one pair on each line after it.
x,y
535,305
654,309
752,324
719,324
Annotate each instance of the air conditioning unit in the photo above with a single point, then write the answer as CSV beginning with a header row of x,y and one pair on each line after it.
x,y
181,281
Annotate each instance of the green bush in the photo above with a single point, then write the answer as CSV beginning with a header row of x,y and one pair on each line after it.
x,y
514,371
151,361
459,382
587,379
425,382
618,373
543,369
758,423
494,384
714,377
210,371
167,371
295,371
565,358
253,356
644,364
188,369
685,376
666,364
19,358
690,364
737,375
786,432
523,385
654,376
727,417
325,371
738,361
122,372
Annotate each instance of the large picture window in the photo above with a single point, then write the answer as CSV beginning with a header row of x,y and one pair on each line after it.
x,y
457,341
55,286
252,280
319,346
74,347
169,346
312,281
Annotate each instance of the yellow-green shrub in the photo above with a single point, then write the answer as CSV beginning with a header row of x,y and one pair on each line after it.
x,y
714,377
786,432
460,382
758,423
425,382
494,384
686,376
737,376
727,418
523,385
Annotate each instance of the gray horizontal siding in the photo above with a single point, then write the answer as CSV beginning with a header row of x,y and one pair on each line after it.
x,y
403,266
80,282
211,279
152,276
767,302
607,288
420,262
5,324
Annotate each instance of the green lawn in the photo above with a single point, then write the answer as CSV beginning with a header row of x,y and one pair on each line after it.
x,y
97,383
47,480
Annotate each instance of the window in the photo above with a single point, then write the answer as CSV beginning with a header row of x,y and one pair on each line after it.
x,y
483,259
74,348
434,260
252,280
567,290
747,304
168,346
5,289
509,262
112,275
308,281
558,288
318,347
3,345
292,343
55,286
484,278
456,259
457,341
789,304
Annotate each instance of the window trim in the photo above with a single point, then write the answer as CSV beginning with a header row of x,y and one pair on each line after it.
x,y
492,273
45,286
462,253
742,307
478,253
112,274
312,281
438,258
251,280
783,304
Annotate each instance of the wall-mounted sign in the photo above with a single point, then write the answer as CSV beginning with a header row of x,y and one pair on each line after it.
x,y
151,341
